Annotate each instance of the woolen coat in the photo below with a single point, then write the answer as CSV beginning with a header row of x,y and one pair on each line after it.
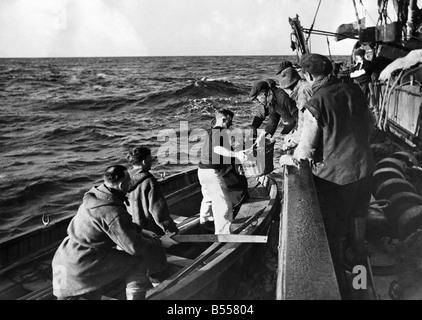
x,y
88,258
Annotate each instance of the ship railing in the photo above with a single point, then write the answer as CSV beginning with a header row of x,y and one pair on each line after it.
x,y
305,267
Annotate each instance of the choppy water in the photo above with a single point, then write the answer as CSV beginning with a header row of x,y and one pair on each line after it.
x,y
63,120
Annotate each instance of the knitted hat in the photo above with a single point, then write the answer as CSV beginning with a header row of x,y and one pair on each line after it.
x,y
258,87
288,77
316,64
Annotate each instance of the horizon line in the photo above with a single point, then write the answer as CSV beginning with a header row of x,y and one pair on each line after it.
x,y
161,56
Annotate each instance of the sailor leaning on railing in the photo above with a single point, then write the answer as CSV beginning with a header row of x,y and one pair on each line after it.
x,y
337,123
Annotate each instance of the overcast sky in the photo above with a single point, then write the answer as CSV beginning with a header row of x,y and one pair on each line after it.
x,y
69,28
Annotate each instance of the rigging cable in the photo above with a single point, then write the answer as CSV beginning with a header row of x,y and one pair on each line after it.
x,y
366,13
313,22
383,11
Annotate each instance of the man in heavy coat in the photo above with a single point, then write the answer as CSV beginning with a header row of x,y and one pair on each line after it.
x,y
104,245
337,126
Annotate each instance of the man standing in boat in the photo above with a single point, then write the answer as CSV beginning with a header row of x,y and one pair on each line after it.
x,y
362,73
216,213
336,140
300,91
276,104
104,245
149,208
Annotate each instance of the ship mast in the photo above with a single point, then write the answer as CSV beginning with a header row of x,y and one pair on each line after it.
x,y
357,15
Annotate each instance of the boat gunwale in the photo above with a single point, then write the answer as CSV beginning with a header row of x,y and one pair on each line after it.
x,y
62,223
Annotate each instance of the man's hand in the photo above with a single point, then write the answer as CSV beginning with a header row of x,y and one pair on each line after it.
x,y
287,160
240,155
289,144
167,241
149,234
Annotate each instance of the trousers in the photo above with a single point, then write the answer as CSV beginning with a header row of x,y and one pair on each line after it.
x,y
216,204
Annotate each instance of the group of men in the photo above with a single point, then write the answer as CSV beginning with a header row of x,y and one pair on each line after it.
x,y
321,119
332,130
114,237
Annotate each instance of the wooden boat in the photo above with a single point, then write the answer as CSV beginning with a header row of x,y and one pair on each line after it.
x,y
25,261
395,213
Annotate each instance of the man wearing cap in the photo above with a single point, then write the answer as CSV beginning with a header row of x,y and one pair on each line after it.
x,y
338,123
300,91
284,64
361,73
274,103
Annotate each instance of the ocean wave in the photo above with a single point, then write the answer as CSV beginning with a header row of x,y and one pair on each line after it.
x,y
32,191
208,87
91,103
199,89
38,190
81,135
64,120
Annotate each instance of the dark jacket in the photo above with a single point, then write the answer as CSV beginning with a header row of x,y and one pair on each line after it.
x,y
217,136
283,108
343,154
147,203
87,259
366,77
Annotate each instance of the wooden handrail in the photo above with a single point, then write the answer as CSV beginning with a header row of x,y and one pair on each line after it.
x,y
305,268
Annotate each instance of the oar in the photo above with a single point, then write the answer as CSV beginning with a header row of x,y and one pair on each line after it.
x,y
220,238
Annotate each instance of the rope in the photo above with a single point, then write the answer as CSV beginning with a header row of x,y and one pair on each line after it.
x,y
388,98
383,12
366,12
379,204
385,99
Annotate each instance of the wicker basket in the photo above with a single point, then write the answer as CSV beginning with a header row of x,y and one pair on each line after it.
x,y
252,167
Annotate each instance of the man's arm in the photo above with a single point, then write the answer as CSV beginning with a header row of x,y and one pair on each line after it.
x,y
127,235
366,68
357,73
228,153
259,117
274,119
284,111
308,138
160,211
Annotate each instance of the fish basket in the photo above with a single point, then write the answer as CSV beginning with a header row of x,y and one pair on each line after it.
x,y
255,165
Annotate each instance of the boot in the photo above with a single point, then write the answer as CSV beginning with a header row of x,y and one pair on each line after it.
x,y
158,277
135,294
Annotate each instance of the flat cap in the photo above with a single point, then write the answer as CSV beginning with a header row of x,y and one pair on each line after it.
x,y
288,77
283,65
258,87
316,64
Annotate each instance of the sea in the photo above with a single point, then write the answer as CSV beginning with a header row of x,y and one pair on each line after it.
x,y
64,120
